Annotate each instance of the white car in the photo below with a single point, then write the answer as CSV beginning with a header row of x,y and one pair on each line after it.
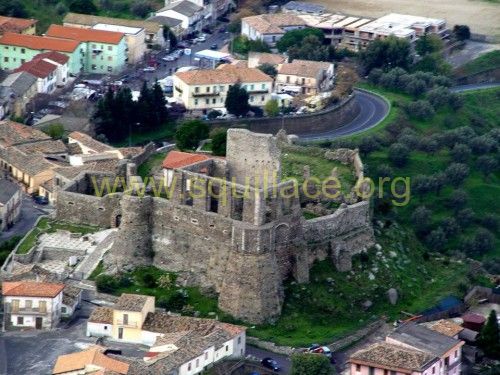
x,y
201,39
168,58
149,69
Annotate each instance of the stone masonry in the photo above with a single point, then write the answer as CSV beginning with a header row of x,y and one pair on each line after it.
x,y
241,239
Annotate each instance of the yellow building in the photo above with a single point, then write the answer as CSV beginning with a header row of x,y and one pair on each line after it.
x,y
207,89
129,314
305,77
17,25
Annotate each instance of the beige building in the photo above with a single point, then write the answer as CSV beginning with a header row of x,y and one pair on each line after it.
x,y
305,77
153,31
270,28
10,203
90,361
207,89
17,25
32,304
255,59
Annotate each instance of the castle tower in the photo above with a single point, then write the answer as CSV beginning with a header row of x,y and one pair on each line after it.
x,y
133,245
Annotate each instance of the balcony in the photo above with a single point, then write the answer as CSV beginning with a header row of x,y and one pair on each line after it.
x,y
27,311
122,323
211,93
258,91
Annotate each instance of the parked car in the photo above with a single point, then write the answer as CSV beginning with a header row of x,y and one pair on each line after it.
x,y
149,69
168,58
40,199
214,46
270,363
202,38
318,349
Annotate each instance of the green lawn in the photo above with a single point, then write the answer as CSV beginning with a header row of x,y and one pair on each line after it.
x,y
151,165
167,132
488,61
46,225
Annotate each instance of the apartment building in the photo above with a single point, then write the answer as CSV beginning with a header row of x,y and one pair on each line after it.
x,y
356,33
305,77
207,89
29,304
17,49
10,203
153,31
101,51
17,25
50,68
270,28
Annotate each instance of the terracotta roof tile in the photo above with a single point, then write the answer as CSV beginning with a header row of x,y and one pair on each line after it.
x,y
91,20
92,356
225,74
178,159
445,327
102,315
131,302
57,57
304,68
85,35
89,142
39,68
267,58
15,25
13,133
392,356
39,43
273,23
31,289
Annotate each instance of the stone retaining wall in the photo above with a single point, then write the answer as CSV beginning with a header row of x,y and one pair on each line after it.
x,y
311,123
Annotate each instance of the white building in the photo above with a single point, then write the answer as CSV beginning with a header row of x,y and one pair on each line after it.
x,y
10,203
30,304
207,89
179,345
50,68
270,28
134,36
191,15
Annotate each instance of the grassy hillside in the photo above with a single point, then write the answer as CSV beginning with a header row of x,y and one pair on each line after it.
x,y
488,61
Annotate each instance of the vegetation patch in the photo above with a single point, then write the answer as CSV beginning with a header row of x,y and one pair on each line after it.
x,y
163,286
152,165
484,63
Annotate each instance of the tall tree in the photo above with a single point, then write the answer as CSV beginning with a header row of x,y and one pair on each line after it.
x,y
311,364
159,104
387,53
169,35
237,100
428,43
190,133
489,337
295,37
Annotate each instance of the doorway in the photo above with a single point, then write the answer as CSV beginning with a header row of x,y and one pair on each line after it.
x,y
120,333
38,322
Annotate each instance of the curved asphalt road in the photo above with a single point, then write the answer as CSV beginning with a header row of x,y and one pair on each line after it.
x,y
374,108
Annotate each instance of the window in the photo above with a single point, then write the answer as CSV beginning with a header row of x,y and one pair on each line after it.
x,y
207,89
386,372
125,318
20,320
93,67
23,61
110,69
358,368
251,98
433,369
110,58
456,353
262,98
63,309
23,50
207,101
28,304
263,86
252,87
110,48
221,88
371,370
287,79
196,102
206,355
239,340
6,59
196,89
227,348
197,362
189,366
94,46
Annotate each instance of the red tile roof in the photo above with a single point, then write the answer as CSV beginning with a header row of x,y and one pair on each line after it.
x,y
93,356
178,159
15,25
31,289
57,57
85,35
39,68
39,43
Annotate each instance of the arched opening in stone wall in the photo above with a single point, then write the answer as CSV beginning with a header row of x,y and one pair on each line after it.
x,y
118,221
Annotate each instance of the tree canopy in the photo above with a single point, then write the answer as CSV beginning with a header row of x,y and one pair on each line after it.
x,y
237,100
219,141
311,364
83,6
489,337
295,37
310,48
190,133
387,53
268,69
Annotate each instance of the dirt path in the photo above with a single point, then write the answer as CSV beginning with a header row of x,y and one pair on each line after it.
x,y
481,16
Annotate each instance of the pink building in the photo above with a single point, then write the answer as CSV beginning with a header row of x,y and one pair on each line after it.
x,y
388,359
